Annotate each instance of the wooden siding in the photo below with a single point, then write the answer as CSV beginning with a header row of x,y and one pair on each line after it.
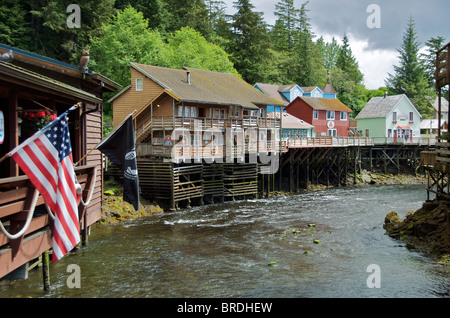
x,y
131,99
94,133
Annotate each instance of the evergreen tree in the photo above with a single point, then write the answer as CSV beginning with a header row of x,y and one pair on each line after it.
x,y
410,77
429,58
288,17
329,52
50,35
14,28
308,62
190,13
155,11
249,44
347,62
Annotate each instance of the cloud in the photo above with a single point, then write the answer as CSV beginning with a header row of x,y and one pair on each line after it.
x,y
374,48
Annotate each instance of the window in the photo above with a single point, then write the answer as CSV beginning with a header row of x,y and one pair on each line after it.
x,y
411,117
330,114
343,115
139,84
394,117
234,111
316,94
189,111
332,132
315,114
218,113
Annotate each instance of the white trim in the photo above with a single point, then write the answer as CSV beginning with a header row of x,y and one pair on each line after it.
x,y
141,88
148,75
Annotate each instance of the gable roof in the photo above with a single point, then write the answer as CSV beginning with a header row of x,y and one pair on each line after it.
x,y
290,121
435,103
58,87
274,91
62,70
309,89
322,104
206,87
328,89
380,107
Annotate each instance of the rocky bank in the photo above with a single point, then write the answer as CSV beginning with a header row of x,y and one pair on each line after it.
x,y
115,210
426,230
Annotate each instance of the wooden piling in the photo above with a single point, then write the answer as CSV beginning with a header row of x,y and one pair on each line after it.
x,y
46,270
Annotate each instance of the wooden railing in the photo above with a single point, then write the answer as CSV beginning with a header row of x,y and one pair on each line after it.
x,y
442,159
424,141
16,194
191,123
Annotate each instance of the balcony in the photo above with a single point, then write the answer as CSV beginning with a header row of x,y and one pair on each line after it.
x,y
144,129
16,194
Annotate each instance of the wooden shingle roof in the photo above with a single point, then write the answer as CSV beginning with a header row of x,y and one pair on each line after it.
x,y
206,87
324,104
379,107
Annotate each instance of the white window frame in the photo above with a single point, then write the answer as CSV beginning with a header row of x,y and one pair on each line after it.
x,y
394,117
329,113
315,114
332,132
344,116
139,84
411,117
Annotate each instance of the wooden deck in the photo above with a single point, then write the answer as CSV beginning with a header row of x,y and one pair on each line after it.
x,y
220,151
437,165
16,194
170,123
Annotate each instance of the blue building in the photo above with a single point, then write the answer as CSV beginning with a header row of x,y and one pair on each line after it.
x,y
287,93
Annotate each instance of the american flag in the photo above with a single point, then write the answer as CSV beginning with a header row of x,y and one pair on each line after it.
x,y
46,158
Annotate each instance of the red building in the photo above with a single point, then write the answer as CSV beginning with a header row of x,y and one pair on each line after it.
x,y
330,116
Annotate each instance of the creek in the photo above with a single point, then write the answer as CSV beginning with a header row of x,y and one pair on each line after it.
x,y
314,244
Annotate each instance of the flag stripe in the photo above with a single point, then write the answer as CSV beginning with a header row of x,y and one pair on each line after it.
x,y
44,166
46,158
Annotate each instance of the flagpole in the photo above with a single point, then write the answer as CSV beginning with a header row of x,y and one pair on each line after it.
x,y
110,134
73,107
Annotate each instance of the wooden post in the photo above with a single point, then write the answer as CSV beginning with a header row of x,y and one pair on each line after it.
x,y
291,174
13,130
46,270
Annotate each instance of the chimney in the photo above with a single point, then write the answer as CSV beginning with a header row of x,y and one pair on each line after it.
x,y
188,77
385,94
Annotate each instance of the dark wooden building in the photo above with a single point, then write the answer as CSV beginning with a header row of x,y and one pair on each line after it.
x,y
34,88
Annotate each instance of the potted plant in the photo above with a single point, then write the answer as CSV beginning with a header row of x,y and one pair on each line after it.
x,y
33,121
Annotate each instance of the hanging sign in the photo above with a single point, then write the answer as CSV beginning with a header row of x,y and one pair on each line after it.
x,y
330,124
2,127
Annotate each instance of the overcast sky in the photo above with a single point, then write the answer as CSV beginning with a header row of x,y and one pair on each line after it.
x,y
374,48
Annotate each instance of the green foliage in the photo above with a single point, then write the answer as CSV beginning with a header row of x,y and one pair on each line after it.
x,y
187,47
249,44
410,77
125,39
14,28
347,62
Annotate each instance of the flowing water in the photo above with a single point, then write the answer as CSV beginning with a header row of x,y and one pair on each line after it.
x,y
322,242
